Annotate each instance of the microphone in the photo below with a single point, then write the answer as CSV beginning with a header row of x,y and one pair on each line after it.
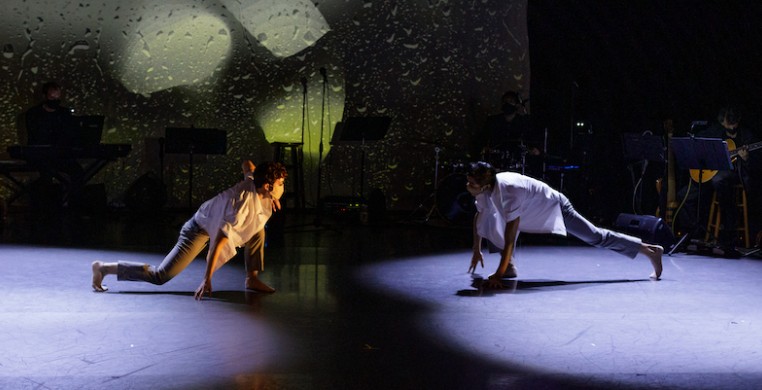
x,y
304,84
324,73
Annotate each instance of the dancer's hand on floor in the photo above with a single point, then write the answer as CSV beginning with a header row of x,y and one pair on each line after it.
x,y
204,288
494,281
476,259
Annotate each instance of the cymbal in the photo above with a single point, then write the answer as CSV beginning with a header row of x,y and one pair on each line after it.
x,y
427,141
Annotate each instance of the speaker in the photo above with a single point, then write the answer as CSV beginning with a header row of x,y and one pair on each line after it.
x,y
648,228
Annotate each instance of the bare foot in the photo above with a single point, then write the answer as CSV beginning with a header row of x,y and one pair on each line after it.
x,y
253,283
654,253
98,277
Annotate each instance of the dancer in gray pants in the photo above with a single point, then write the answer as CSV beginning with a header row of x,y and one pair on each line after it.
x,y
508,203
234,218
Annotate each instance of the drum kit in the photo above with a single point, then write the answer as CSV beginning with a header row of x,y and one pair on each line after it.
x,y
451,199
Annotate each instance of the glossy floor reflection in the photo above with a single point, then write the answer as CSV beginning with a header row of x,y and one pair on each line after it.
x,y
370,307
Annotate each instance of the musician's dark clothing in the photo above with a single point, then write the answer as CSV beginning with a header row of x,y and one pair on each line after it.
x,y
44,127
499,132
54,128
723,184
502,141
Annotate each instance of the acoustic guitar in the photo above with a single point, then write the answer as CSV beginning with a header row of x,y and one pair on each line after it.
x,y
707,174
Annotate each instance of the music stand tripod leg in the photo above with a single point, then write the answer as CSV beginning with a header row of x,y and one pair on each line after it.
x,y
679,244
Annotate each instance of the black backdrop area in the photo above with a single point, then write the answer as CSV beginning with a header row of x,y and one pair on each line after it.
x,y
626,64
437,68
623,66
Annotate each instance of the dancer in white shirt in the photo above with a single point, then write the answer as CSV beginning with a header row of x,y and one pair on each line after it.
x,y
508,203
234,218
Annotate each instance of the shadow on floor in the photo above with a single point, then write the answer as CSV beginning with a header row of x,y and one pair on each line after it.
x,y
512,286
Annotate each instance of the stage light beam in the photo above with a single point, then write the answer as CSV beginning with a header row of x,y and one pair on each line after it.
x,y
284,27
177,46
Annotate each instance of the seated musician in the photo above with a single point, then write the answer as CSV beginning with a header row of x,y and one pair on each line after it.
x,y
49,123
723,182
507,135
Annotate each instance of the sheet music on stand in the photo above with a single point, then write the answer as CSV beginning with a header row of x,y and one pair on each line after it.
x,y
701,153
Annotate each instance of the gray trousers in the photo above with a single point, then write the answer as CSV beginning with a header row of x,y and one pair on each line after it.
x,y
583,229
191,242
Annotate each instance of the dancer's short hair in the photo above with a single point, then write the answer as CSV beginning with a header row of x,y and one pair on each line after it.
x,y
268,172
482,172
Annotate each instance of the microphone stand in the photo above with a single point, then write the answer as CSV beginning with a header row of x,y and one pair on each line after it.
x,y
300,198
545,154
436,184
304,105
320,148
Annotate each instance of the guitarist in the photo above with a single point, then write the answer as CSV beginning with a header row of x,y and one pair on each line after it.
x,y
723,182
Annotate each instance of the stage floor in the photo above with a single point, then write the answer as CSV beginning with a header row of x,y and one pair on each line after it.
x,y
377,307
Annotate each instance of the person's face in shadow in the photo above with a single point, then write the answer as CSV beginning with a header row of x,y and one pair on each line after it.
x,y
53,94
729,126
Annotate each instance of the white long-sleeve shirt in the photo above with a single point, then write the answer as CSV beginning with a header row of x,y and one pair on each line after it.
x,y
513,196
237,213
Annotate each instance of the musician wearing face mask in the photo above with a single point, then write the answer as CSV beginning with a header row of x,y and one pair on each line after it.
x,y
49,123
508,203
507,136
234,218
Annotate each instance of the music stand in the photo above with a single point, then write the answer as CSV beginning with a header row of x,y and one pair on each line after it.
x,y
88,130
642,149
194,141
358,131
702,154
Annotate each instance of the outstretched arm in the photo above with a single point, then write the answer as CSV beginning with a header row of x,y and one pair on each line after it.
x,y
211,261
511,232
477,257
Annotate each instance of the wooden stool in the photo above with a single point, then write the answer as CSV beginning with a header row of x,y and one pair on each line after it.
x,y
290,155
714,222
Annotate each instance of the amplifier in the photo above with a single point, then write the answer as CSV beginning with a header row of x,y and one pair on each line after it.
x,y
646,227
